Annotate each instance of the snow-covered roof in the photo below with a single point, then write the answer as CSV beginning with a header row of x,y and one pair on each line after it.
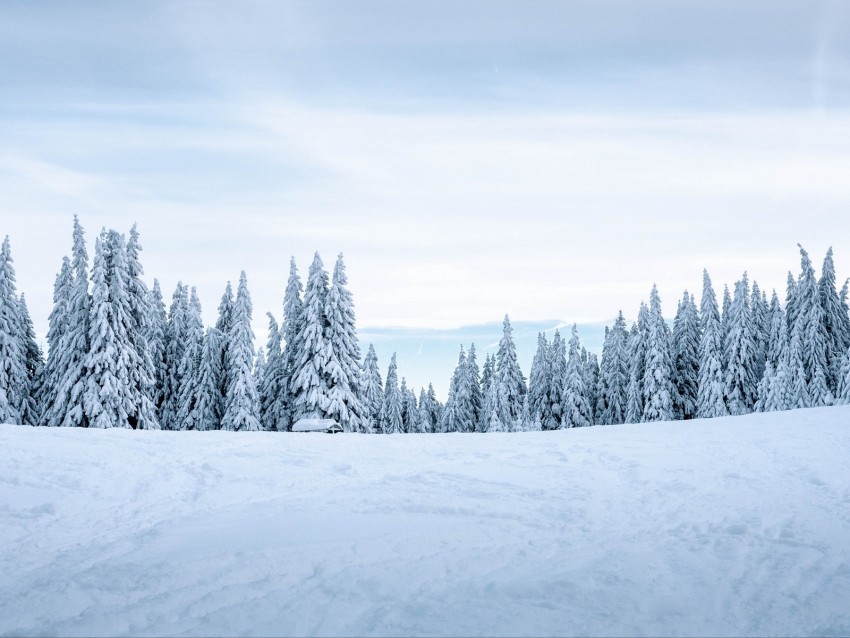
x,y
313,425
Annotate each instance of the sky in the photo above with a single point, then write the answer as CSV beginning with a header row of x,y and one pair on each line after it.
x,y
549,160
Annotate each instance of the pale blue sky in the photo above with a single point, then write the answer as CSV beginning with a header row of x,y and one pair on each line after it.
x,y
546,159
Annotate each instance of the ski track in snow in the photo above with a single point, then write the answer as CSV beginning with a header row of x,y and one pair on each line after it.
x,y
723,527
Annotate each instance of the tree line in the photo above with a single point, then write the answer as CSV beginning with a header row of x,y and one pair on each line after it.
x,y
116,357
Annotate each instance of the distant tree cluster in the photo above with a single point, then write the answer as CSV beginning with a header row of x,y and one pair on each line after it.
x,y
117,358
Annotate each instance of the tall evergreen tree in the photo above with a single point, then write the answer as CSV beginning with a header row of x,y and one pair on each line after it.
x,y
14,386
761,326
271,389
372,391
658,387
391,419
57,330
539,378
557,378
774,388
813,333
210,404
487,375
576,406
34,364
457,417
590,371
842,396
835,321
711,386
509,380
614,374
637,366
476,398
344,354
242,404
740,348
68,408
175,347
157,341
223,324
291,329
422,420
408,407
188,415
686,343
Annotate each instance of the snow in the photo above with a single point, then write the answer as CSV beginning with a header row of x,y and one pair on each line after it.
x,y
314,425
737,525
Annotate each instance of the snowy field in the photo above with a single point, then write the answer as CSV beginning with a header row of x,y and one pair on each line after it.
x,y
731,526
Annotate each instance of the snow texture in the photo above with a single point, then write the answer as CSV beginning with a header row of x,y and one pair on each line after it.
x,y
729,526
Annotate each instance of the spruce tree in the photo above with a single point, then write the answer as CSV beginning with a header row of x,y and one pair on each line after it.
x,y
223,324
614,374
242,404
344,354
686,340
157,330
271,388
509,380
458,412
835,321
843,391
538,382
14,390
774,388
487,376
711,386
175,346
422,420
798,389
68,409
293,325
557,378
57,330
408,407
34,364
576,406
740,348
188,415
210,404
760,320
658,387
476,398
590,371
813,333
637,344
371,391
391,420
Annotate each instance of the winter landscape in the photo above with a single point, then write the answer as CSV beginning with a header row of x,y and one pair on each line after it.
x,y
446,319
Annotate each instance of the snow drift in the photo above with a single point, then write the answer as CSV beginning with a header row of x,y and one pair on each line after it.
x,y
729,526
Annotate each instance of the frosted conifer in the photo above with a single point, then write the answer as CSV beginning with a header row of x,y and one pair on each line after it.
x,y
711,387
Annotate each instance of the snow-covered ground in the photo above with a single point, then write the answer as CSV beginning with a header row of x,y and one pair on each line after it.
x,y
731,526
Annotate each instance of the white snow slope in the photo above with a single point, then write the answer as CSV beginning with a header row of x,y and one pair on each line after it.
x,y
730,526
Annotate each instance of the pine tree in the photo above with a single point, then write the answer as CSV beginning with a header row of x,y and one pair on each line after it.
x,y
813,334
658,387
293,326
509,380
271,388
157,329
408,407
175,347
740,348
835,321
422,420
242,404
724,322
557,378
798,389
143,372
210,404
391,420
476,398
637,344
843,392
538,383
576,406
487,375
34,364
590,371
260,375
344,354
760,320
223,324
56,334
188,415
686,340
68,409
614,374
458,413
14,386
773,389
372,391
711,386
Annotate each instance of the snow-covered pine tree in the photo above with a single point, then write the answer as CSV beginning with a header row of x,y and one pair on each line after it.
x,y
142,387
487,375
408,407
188,415
509,379
658,387
773,388
107,398
458,413
34,365
761,326
686,340
835,321
725,320
210,404
291,329
557,378
371,391
637,366
538,382
476,398
576,407
711,386
390,420
344,357
271,389
242,404
798,389
14,386
312,372
842,396
791,302
422,421
614,374
175,345
56,331
157,329
813,333
740,348
590,371
223,324
490,420
260,373
68,409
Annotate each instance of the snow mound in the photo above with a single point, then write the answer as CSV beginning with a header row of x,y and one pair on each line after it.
x,y
723,527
